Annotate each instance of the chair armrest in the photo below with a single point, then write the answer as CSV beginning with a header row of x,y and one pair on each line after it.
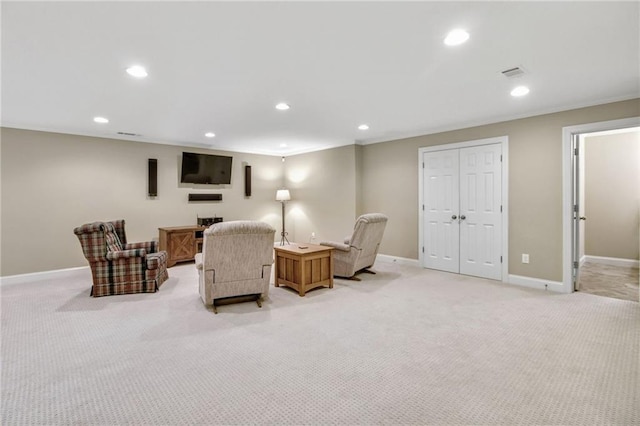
x,y
149,246
337,246
347,240
123,254
199,263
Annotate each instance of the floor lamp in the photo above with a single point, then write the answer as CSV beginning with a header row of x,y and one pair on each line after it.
x,y
283,196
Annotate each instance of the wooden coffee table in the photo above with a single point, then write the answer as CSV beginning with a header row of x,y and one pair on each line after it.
x,y
304,266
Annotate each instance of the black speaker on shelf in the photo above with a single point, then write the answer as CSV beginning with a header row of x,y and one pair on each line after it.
x,y
208,221
247,181
205,197
153,177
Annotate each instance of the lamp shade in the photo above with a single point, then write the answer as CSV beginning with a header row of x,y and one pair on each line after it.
x,y
283,195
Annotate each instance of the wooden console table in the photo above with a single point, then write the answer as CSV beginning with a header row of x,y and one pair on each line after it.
x,y
181,242
304,266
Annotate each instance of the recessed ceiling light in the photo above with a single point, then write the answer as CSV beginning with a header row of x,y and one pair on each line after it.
x,y
210,135
137,71
283,145
100,120
520,91
282,106
363,127
456,37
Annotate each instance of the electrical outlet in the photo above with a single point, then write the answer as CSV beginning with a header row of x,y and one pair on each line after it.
x,y
525,258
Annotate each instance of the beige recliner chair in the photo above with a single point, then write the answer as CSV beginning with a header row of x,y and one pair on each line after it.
x,y
235,261
359,251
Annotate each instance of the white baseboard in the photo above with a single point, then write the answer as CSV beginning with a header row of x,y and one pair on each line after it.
x,y
538,283
583,259
45,275
613,261
399,260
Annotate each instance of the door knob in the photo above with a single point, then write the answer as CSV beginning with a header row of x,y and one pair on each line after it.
x,y
462,217
583,218
454,217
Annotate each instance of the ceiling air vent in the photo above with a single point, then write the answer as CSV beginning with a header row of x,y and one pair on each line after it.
x,y
128,134
513,72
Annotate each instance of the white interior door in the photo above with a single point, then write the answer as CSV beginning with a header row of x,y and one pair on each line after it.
x,y
575,249
480,211
462,219
441,202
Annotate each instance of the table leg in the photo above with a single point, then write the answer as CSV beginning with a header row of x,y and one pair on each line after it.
x,y
331,269
302,289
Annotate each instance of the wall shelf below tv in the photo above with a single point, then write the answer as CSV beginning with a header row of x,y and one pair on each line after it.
x,y
205,197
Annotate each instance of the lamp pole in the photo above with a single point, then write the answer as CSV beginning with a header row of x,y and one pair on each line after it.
x,y
283,233
283,196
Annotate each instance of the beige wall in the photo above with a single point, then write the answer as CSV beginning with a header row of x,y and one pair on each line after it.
x,y
612,194
359,173
53,182
323,194
390,184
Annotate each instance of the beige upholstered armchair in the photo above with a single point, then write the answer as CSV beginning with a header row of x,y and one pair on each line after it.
x,y
359,251
235,261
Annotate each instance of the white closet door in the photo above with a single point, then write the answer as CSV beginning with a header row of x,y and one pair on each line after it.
x,y
480,211
463,210
441,202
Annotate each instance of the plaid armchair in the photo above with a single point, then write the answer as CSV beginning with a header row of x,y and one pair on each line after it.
x,y
119,267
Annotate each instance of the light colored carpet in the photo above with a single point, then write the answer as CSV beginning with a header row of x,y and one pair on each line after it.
x,y
406,346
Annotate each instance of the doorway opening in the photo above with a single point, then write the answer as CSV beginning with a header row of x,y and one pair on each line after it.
x,y
600,208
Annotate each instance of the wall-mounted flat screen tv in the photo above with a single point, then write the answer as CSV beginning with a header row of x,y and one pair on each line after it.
x,y
205,169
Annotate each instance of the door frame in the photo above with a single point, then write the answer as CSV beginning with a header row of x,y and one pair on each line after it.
x,y
504,141
567,187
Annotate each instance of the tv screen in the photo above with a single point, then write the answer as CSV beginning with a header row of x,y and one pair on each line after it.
x,y
205,169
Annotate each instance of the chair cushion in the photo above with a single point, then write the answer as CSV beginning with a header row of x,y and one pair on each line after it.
x,y
111,238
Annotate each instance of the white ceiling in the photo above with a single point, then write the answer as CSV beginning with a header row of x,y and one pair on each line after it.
x,y
222,67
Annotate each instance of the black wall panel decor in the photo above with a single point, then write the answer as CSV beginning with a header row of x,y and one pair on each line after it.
x,y
205,197
153,177
247,181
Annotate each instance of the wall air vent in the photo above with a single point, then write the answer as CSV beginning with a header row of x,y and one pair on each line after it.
x,y
513,72
128,134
